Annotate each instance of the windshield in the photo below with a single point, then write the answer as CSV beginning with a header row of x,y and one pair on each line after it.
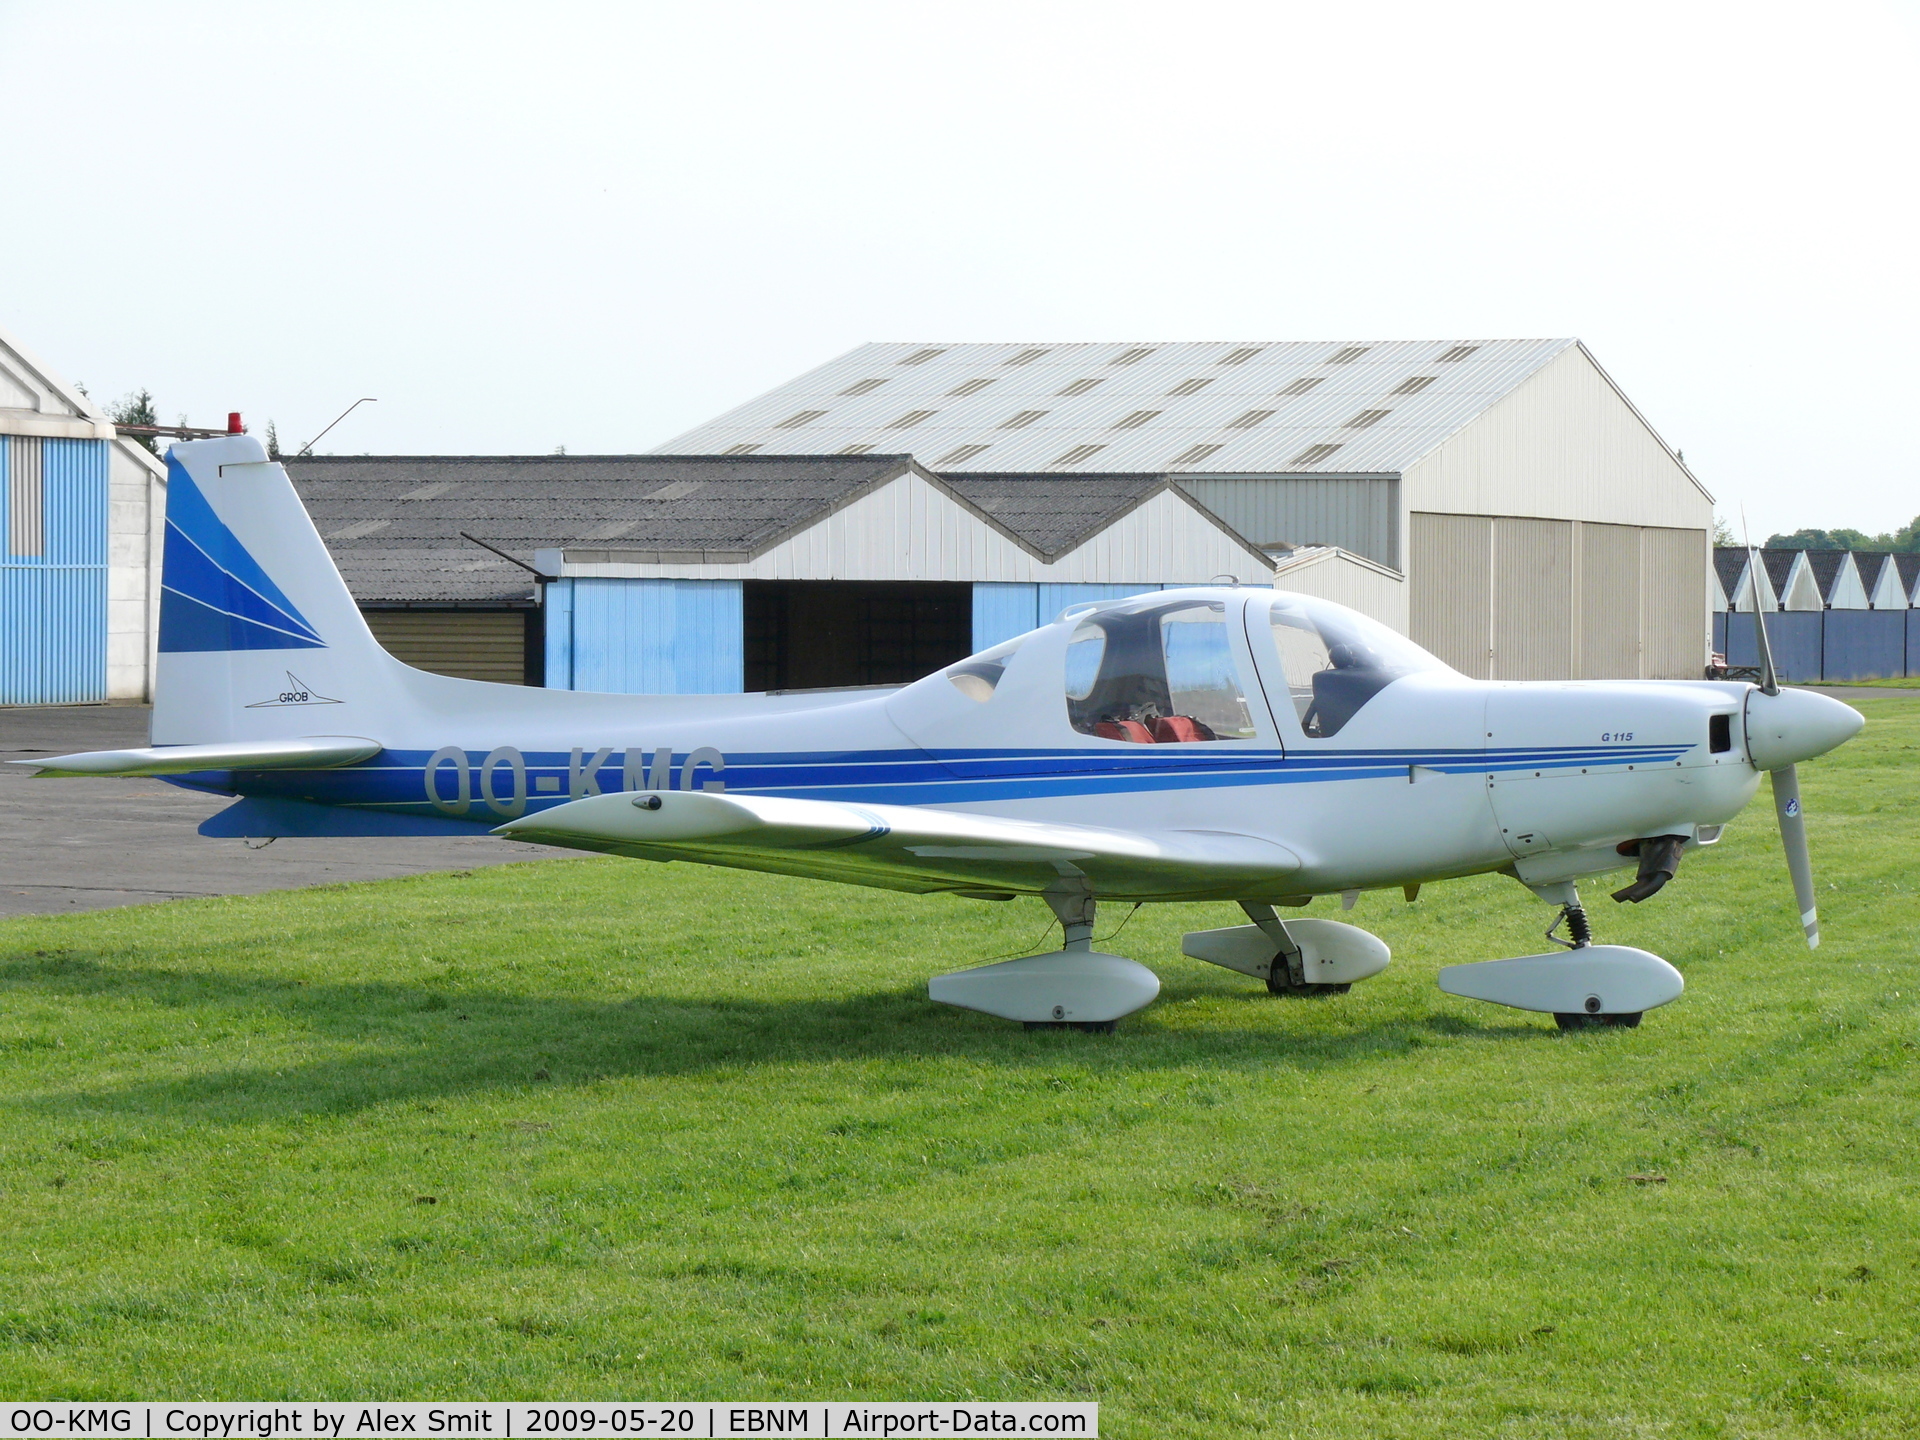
x,y
1336,660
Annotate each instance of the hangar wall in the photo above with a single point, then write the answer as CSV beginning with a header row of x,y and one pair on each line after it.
x,y
1519,598
1564,445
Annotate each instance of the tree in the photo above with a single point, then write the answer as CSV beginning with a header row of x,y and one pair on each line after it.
x,y
136,408
1906,538
273,442
1723,533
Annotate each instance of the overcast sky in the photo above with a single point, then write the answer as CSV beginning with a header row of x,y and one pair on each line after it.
x,y
596,226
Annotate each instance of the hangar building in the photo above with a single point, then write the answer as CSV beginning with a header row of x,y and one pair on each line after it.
x,y
82,514
664,574
1501,501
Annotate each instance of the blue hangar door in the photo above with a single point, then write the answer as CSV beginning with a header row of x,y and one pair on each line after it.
x,y
53,571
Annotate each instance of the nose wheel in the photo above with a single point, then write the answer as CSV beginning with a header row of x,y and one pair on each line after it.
x,y
1574,916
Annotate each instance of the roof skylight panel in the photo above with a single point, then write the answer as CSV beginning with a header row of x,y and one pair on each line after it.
x,y
1020,421
861,387
739,449
971,387
911,419
1193,454
1190,387
1313,454
1366,418
960,456
1242,355
796,420
920,357
1135,420
1028,356
1133,356
1302,385
1250,419
1414,384
1079,453
677,489
1347,356
1457,353
1078,387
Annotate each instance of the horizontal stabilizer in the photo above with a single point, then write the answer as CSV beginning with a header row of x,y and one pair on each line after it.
x,y
903,847
311,752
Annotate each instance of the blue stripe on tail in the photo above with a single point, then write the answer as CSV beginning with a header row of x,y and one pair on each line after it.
x,y
214,595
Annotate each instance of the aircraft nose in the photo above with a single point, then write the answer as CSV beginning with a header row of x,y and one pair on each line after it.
x,y
1796,725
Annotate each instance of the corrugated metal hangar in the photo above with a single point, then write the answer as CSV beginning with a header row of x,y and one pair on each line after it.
x,y
81,515
1517,514
685,574
1499,500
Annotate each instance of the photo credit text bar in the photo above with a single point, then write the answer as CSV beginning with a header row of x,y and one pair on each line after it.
x,y
489,1420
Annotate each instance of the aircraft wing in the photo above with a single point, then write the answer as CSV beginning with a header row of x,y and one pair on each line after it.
x,y
915,848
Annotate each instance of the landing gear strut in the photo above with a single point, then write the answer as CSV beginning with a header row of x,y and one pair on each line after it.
x,y
1288,973
1574,916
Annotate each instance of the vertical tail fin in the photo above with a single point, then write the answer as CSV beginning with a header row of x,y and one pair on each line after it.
x,y
257,629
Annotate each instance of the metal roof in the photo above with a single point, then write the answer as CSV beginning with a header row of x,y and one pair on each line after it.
x,y
393,522
1292,407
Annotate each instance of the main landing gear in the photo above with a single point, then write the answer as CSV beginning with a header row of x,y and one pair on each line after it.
x,y
1075,987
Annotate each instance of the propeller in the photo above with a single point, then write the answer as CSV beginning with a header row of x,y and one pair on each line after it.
x,y
1782,729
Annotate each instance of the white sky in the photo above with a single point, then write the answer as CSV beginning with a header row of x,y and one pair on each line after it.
x,y
595,226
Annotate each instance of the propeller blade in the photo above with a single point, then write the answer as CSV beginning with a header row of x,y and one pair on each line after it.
x,y
1793,839
1769,683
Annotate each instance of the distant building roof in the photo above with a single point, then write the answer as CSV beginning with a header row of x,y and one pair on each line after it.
x,y
1288,407
394,523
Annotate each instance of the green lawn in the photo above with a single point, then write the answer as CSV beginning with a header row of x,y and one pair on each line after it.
x,y
602,1129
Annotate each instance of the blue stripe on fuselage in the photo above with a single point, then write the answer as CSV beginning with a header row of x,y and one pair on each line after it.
x,y
395,780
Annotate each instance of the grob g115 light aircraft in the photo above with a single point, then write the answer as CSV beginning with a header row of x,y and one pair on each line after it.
x,y
1242,745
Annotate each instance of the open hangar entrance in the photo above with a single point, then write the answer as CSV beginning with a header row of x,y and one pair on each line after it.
x,y
823,634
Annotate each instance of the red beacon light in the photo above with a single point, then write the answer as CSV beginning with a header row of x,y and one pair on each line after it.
x,y
234,427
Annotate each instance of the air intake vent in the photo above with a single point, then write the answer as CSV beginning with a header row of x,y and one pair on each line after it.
x,y
1249,420
1193,455
1079,387
861,387
1135,420
1079,453
1458,352
1242,355
1313,454
1133,356
804,417
1022,420
1027,357
1348,355
960,456
920,357
1189,387
1303,384
1366,418
739,449
1414,384
855,449
970,387
911,419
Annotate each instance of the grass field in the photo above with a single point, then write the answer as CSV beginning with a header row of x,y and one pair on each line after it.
x,y
600,1129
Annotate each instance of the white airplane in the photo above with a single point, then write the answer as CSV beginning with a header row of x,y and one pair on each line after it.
x,y
1241,745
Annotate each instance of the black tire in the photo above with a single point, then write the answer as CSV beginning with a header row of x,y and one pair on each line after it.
x,y
1278,983
1575,1020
